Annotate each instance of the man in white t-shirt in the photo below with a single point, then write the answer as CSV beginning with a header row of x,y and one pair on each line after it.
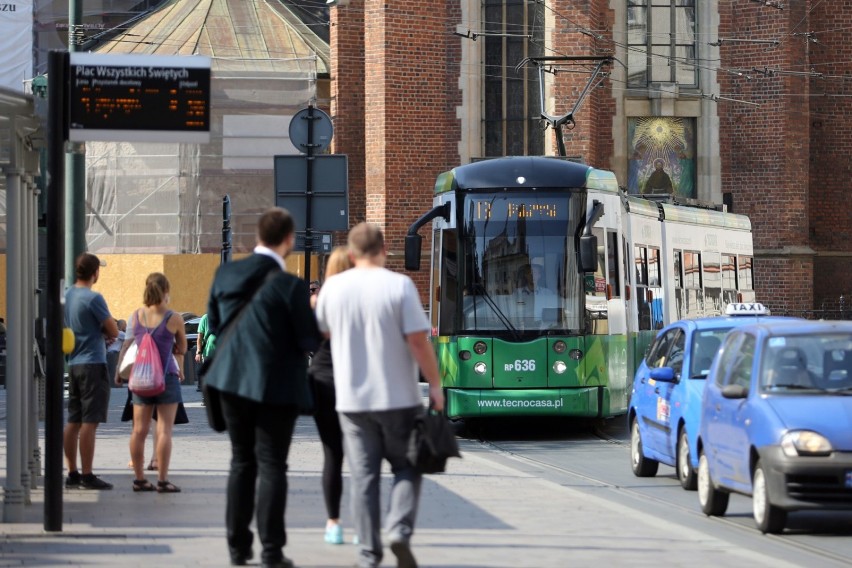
x,y
379,338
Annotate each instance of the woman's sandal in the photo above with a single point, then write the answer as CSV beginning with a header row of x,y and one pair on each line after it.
x,y
152,466
167,487
142,485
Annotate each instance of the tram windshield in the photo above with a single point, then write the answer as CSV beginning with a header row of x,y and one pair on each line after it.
x,y
520,270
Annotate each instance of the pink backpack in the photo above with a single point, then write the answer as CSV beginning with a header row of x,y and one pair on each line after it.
x,y
147,377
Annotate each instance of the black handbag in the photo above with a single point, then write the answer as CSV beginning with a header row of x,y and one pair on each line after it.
x,y
213,404
432,443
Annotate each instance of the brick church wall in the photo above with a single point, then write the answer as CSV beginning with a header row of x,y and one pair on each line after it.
x,y
765,148
784,158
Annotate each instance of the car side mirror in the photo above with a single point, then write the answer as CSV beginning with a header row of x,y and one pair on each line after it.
x,y
734,391
663,374
413,244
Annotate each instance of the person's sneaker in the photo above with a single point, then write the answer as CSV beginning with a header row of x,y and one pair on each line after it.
x,y
92,481
73,480
334,534
404,557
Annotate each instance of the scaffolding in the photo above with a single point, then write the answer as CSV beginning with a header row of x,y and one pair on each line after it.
x,y
167,198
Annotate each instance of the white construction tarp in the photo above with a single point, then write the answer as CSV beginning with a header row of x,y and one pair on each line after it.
x,y
16,43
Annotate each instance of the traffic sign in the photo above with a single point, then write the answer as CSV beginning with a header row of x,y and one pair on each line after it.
x,y
328,190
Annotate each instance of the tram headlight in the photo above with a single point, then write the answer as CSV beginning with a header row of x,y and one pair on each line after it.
x,y
480,368
480,347
464,355
560,347
560,367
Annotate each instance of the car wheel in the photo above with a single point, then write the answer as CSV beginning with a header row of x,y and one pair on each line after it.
x,y
685,471
769,518
713,502
642,466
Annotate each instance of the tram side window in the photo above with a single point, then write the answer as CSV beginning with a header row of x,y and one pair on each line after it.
x,y
648,296
729,278
679,294
745,279
596,295
678,269
613,277
640,260
653,267
712,284
691,301
449,288
692,270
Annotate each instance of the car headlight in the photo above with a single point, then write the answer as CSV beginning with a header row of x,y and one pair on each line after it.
x,y
805,443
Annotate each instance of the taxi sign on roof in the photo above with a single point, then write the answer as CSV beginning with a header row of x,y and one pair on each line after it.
x,y
747,309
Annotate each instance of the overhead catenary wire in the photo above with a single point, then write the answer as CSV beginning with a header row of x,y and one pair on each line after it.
x,y
597,35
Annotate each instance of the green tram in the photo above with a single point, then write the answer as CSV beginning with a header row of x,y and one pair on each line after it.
x,y
548,283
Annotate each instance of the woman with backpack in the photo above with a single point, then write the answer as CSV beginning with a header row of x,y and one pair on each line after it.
x,y
156,325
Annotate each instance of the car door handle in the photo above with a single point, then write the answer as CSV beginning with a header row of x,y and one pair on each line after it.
x,y
718,408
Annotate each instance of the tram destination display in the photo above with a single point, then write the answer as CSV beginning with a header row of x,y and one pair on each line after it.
x,y
139,98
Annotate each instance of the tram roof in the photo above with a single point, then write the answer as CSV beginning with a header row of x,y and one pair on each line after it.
x,y
525,171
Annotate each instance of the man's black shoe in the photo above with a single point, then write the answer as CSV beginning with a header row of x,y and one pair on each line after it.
x,y
241,558
73,480
283,563
404,557
92,481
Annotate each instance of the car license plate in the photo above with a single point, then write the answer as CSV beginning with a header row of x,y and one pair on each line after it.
x,y
849,479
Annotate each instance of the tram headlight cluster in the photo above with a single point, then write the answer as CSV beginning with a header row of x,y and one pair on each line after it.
x,y
560,367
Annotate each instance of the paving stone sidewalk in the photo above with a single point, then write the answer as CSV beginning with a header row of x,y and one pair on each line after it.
x,y
482,513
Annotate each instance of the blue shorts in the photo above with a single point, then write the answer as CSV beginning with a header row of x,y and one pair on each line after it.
x,y
171,395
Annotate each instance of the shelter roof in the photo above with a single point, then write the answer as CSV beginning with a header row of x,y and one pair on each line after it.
x,y
240,36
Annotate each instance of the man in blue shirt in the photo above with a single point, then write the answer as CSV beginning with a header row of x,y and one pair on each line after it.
x,y
87,315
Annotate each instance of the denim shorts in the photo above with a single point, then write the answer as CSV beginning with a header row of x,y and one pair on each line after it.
x,y
171,395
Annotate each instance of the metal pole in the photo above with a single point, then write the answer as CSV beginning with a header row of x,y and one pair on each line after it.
x,y
309,193
34,453
227,237
26,348
57,124
75,160
13,493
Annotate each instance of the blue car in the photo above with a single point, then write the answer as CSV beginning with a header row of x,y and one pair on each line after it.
x,y
776,421
665,403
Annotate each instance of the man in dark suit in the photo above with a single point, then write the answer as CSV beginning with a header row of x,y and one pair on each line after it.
x,y
260,369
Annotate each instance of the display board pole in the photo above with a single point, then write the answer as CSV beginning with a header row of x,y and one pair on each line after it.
x,y
57,125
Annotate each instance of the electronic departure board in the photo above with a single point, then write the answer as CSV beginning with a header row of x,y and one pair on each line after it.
x,y
141,98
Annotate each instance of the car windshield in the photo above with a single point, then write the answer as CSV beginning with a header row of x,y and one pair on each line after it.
x,y
705,344
812,363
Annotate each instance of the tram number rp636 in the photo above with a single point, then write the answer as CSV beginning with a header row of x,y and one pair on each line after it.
x,y
521,365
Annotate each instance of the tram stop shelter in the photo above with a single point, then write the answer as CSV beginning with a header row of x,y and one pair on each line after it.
x,y
21,138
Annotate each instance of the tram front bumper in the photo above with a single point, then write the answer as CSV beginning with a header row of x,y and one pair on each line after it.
x,y
472,403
